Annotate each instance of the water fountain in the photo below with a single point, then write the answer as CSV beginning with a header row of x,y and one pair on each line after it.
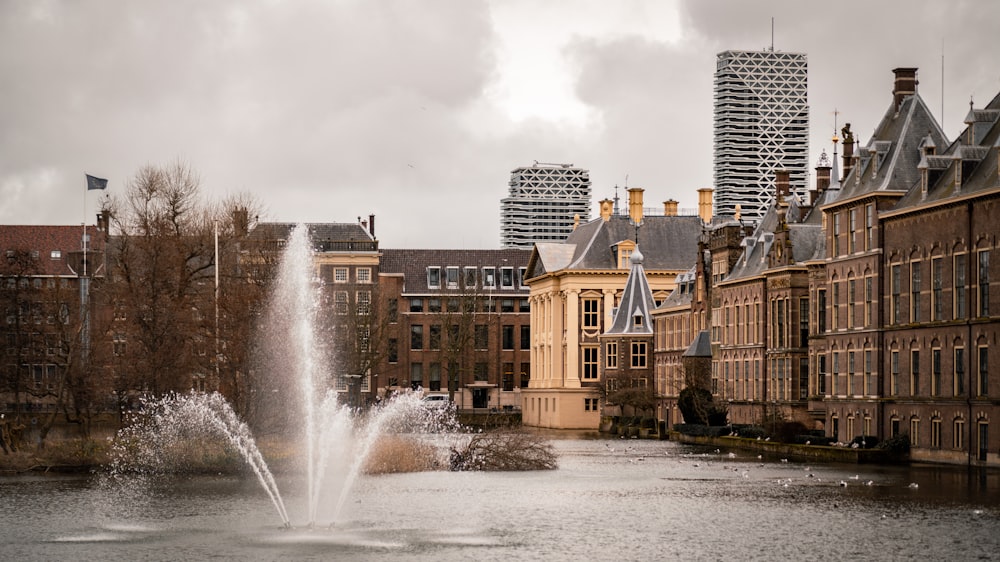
x,y
336,440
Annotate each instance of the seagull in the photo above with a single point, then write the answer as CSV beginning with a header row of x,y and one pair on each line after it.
x,y
913,486
732,455
869,483
784,460
760,457
855,477
843,484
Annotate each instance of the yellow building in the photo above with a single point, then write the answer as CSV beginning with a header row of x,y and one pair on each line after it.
x,y
575,287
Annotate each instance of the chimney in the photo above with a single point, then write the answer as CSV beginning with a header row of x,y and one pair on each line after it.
x,y
670,208
705,204
904,85
241,221
607,209
848,156
823,169
635,204
781,184
371,225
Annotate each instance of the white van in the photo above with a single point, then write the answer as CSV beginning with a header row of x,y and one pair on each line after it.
x,y
436,401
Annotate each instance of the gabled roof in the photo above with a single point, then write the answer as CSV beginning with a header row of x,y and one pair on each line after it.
x,y
683,292
632,316
806,238
889,161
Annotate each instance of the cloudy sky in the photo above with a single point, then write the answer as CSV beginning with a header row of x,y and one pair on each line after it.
x,y
417,111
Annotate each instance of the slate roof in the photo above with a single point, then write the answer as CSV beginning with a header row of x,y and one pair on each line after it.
x,y
700,347
45,240
636,303
806,238
668,242
889,161
413,264
318,232
683,292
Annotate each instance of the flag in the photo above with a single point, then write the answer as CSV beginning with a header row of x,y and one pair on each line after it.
x,y
96,183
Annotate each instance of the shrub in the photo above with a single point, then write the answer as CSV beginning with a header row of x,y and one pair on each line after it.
x,y
865,441
899,444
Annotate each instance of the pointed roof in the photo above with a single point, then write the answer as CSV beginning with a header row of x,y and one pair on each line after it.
x,y
633,314
700,347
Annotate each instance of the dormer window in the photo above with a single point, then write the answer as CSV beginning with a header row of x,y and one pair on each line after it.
x,y
433,277
56,255
637,321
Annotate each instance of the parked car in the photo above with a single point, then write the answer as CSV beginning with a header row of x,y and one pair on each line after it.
x,y
436,401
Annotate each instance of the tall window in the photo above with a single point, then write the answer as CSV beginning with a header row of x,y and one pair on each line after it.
x,y
850,373
451,277
958,434
852,303
481,336
364,302
853,224
506,277
869,306
508,337
896,281
869,222
489,277
914,432
935,433
914,372
434,337
936,372
937,284
416,337
982,383
469,277
590,363
836,234
869,380
894,373
821,311
836,305
612,355
590,314
803,322
835,373
364,274
525,336
416,375
984,283
780,317
821,370
638,355
915,291
959,286
959,371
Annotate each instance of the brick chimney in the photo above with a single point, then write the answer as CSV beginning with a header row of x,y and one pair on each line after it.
x,y
670,208
371,225
781,184
607,209
705,204
635,204
823,168
848,156
904,85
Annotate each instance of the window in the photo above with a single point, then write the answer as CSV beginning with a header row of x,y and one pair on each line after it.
x,y
340,275
508,377
852,303
611,355
521,271
590,404
638,355
481,371
984,283
914,372
914,432
482,336
434,277
959,368
506,277
836,306
451,277
982,382
392,310
489,277
524,305
836,234
852,225
958,434
525,374
416,305
469,277
896,287
935,433
434,376
590,363
869,222
868,301
119,345
915,291
959,286
590,314
623,256
835,373
506,305
508,337
434,337
392,350
821,370
936,372
56,254
341,302
937,303
364,302
433,305
803,322
525,337
453,304
869,380
416,337
850,373
821,311
416,375
894,373
364,274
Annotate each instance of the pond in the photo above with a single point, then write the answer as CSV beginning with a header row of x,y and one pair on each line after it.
x,y
609,499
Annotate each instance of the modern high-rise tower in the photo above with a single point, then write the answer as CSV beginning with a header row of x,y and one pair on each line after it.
x,y
761,125
544,201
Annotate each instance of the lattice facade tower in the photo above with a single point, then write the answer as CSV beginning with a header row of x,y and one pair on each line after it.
x,y
761,125
543,201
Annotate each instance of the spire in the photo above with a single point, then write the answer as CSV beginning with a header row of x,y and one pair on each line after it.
x,y
634,312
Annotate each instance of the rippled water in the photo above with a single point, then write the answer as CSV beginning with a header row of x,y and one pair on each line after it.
x,y
609,499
